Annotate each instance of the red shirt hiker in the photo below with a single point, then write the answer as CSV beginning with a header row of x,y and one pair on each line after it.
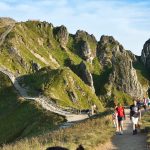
x,y
121,115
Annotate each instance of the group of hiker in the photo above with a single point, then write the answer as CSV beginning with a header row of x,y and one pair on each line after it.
x,y
135,114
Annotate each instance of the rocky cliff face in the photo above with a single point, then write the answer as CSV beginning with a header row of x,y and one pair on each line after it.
x,y
123,76
85,45
107,47
145,56
61,35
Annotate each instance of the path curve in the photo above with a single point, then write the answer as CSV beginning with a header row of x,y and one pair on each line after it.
x,y
43,101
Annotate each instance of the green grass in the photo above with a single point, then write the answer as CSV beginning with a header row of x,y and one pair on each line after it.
x,y
146,125
96,131
100,81
22,118
122,97
142,73
58,84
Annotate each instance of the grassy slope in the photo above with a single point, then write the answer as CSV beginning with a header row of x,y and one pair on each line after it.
x,y
21,118
146,125
38,37
96,131
57,84
142,73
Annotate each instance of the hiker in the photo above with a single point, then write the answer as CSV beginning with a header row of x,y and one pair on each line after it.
x,y
121,116
135,115
115,119
145,103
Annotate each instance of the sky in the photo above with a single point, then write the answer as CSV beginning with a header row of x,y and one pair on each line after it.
x,y
128,21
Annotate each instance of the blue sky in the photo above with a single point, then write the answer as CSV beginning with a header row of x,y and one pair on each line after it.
x,y
127,20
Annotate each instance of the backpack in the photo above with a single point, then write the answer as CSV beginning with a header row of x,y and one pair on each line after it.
x,y
120,111
134,111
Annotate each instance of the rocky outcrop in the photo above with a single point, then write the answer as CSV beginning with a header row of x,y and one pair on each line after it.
x,y
107,46
145,56
86,45
61,34
86,53
123,77
85,75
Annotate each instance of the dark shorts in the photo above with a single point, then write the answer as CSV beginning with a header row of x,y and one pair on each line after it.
x,y
120,118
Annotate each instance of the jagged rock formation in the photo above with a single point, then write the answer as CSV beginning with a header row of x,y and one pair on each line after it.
x,y
105,66
123,76
145,56
107,46
86,75
86,52
61,34
85,45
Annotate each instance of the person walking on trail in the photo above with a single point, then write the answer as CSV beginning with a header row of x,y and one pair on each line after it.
x,y
135,115
115,119
121,116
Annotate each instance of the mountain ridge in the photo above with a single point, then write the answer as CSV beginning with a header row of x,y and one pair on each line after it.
x,y
34,44
69,70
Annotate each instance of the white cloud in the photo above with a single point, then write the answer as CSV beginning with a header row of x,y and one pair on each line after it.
x,y
127,22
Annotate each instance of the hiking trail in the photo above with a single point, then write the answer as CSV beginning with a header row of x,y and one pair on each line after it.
x,y
45,102
127,141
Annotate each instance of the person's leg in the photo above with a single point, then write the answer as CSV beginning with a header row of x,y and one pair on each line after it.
x,y
114,122
133,124
135,128
116,125
136,125
121,126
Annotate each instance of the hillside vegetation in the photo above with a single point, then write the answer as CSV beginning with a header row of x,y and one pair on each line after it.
x,y
90,133
72,70
22,118
63,87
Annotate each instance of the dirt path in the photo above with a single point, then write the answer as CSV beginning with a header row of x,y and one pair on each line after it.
x,y
43,101
127,141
